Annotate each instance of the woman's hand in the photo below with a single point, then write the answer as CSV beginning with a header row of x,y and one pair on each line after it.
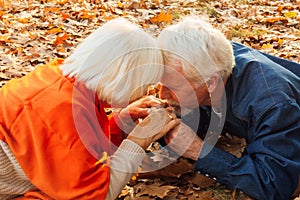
x,y
153,127
139,109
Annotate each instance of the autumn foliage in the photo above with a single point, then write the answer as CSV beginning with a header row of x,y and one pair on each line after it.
x,y
33,32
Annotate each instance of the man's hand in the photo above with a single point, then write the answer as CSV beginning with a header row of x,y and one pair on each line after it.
x,y
153,127
184,141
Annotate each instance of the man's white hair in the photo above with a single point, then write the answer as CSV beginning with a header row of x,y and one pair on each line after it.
x,y
118,61
202,49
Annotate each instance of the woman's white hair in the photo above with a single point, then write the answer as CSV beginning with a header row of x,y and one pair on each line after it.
x,y
118,61
202,49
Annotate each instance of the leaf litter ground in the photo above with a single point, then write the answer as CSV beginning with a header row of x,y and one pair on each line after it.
x,y
33,32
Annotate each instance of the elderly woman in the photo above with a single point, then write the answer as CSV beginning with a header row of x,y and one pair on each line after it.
x,y
54,133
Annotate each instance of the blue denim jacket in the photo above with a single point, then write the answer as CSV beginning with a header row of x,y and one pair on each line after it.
x,y
263,98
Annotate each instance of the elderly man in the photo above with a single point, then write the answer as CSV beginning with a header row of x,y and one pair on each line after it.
x,y
231,88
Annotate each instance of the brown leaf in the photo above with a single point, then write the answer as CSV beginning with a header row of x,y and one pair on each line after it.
x,y
202,181
154,190
175,169
232,144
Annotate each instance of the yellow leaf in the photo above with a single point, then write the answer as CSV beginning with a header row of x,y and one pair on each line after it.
x,y
3,38
23,20
280,41
120,5
55,30
291,14
61,49
267,46
62,2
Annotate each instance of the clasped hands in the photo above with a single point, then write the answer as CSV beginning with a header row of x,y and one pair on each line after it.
x,y
157,120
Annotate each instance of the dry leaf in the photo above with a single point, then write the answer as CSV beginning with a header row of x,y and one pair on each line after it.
x,y
61,39
267,46
292,14
175,169
232,144
26,42
154,190
202,181
162,17
273,20
55,30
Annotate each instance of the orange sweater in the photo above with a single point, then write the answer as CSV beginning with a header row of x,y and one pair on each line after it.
x,y
57,129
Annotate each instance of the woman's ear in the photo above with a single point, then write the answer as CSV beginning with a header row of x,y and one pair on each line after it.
x,y
213,82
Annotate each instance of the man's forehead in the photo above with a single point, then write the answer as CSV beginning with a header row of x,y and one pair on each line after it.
x,y
172,76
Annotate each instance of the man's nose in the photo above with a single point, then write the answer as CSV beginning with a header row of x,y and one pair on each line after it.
x,y
164,92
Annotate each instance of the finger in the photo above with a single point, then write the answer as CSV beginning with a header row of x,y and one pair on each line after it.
x,y
171,115
170,109
140,113
172,124
155,102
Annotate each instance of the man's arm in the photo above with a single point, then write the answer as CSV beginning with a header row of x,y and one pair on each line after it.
x,y
270,169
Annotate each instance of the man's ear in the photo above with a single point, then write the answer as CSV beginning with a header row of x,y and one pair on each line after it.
x,y
212,82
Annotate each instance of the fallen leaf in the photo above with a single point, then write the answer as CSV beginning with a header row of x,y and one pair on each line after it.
x,y
175,169
61,39
162,17
23,20
202,181
232,144
272,20
55,30
154,190
292,14
267,46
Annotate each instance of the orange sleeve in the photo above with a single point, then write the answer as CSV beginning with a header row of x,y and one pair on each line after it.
x,y
116,134
57,137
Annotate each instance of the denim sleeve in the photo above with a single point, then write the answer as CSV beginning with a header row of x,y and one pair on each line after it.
x,y
270,167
